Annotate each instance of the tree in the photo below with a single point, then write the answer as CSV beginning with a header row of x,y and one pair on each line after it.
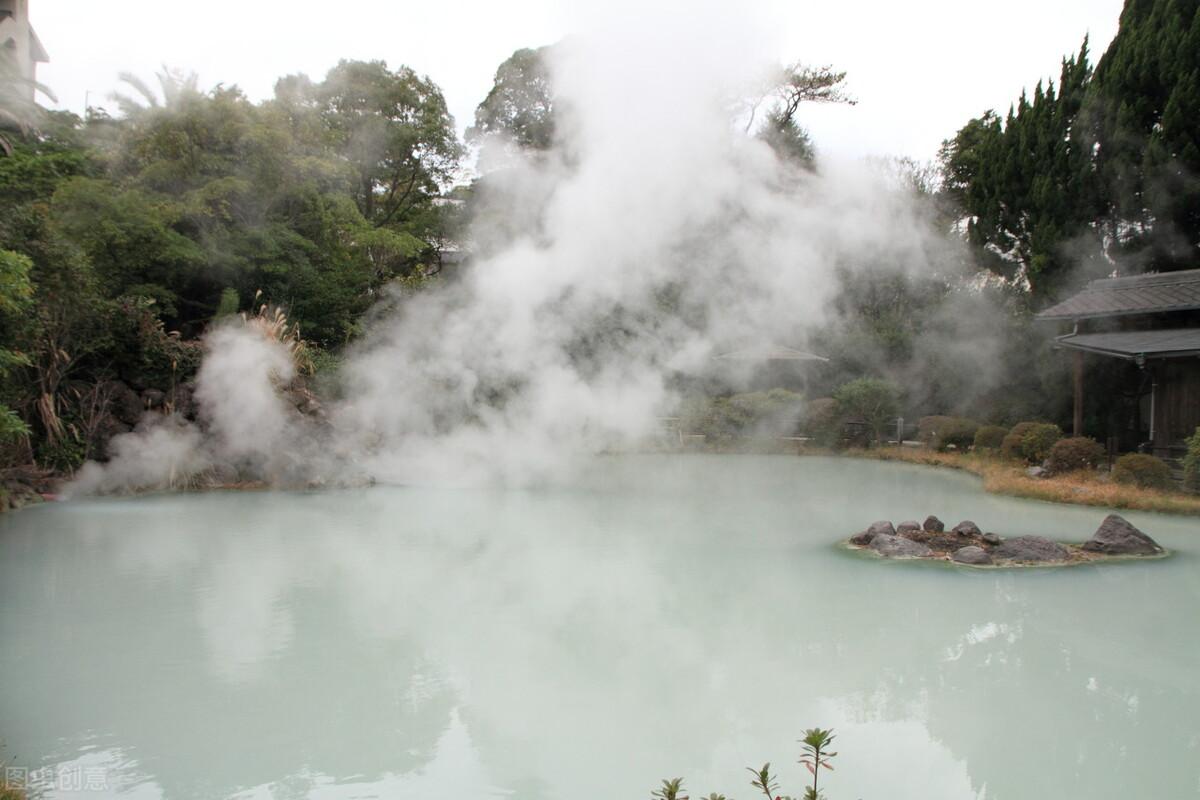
x,y
1140,121
1023,185
782,97
521,104
876,401
16,292
394,128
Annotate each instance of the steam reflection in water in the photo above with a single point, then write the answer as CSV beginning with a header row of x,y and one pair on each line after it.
x,y
653,617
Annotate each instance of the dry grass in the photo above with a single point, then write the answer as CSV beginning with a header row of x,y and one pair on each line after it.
x,y
1085,488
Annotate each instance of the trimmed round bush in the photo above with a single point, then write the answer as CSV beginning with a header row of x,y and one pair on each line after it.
x,y
989,437
942,432
1075,453
1142,470
1191,462
1037,441
1010,446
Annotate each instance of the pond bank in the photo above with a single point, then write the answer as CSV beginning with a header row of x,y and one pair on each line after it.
x,y
1003,477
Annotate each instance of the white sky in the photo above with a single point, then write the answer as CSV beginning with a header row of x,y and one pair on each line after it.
x,y
920,69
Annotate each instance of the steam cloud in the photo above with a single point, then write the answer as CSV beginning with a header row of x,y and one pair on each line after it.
x,y
657,234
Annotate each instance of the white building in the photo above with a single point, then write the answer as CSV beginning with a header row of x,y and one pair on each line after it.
x,y
18,41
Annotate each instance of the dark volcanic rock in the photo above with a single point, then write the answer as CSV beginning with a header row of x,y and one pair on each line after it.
x,y
124,403
1031,548
898,547
967,528
1116,537
971,555
883,527
909,526
862,539
153,398
934,525
991,538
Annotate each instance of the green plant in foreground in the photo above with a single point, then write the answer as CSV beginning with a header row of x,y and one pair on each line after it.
x,y
764,781
670,790
815,757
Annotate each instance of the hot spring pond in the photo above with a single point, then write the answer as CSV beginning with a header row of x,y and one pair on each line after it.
x,y
655,617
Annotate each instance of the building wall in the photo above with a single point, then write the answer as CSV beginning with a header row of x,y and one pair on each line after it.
x,y
18,40
1176,403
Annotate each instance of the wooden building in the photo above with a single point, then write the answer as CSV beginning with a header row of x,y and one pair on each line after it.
x,y
1151,322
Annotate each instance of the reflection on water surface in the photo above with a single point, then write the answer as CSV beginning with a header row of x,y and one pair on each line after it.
x,y
657,616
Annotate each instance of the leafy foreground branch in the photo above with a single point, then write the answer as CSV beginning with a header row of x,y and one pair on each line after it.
x,y
814,756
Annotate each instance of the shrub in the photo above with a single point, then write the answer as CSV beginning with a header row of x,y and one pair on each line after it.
x,y
1191,462
1010,446
1075,452
1142,470
1037,441
822,422
989,438
723,418
875,401
941,432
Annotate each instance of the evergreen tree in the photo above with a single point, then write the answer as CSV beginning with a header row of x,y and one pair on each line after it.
x,y
1024,183
1142,118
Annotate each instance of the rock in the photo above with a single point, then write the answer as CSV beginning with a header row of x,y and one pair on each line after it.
x,y
1116,537
1030,548
971,555
967,528
909,526
934,525
862,539
124,403
991,538
1037,472
153,398
893,546
880,528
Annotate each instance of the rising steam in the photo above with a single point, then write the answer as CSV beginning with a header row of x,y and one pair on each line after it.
x,y
656,234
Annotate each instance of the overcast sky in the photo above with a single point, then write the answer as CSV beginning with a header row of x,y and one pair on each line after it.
x,y
920,69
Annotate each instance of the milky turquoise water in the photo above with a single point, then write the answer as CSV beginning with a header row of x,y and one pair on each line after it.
x,y
653,617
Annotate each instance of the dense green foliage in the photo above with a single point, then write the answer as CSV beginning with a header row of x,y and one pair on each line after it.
x,y
1191,462
1142,470
1075,453
1038,441
989,438
1141,120
874,401
520,105
122,239
1104,166
942,432
1022,183
721,419
1010,447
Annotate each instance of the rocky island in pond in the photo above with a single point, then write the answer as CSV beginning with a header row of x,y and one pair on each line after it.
x,y
965,543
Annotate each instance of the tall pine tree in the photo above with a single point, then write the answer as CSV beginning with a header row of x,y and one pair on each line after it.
x,y
1142,117
1024,183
